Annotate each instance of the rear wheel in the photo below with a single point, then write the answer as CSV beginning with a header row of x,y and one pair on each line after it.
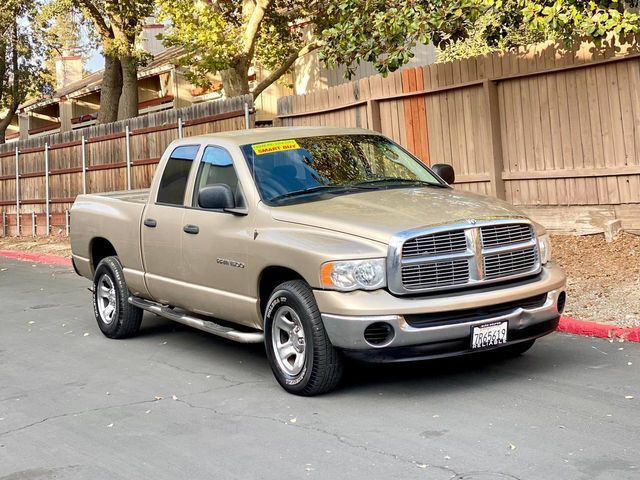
x,y
116,317
300,353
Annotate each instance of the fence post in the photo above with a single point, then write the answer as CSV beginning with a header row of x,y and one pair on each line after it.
x,y
4,224
374,120
179,127
84,166
17,193
496,162
246,115
46,189
33,224
67,221
128,147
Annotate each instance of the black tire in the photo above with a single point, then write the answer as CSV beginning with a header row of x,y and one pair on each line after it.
x,y
516,349
321,369
125,319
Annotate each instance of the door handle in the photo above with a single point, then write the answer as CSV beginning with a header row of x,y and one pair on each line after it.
x,y
150,222
192,229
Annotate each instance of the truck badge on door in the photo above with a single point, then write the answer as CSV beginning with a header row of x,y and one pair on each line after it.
x,y
230,263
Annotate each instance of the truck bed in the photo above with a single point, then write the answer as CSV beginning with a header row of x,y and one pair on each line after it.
x,y
134,196
114,217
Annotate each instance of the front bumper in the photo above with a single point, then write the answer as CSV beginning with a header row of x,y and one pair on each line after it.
x,y
346,330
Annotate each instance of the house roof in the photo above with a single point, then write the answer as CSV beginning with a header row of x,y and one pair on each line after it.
x,y
163,61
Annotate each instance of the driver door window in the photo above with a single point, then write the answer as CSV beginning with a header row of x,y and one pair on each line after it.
x,y
216,167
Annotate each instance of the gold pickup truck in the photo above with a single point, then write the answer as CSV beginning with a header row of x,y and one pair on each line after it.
x,y
323,243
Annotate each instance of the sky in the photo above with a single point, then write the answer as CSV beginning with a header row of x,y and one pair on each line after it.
x,y
95,61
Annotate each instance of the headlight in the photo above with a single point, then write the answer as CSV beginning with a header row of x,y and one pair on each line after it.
x,y
544,244
354,274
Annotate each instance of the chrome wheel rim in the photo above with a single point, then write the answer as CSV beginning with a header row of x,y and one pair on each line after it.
x,y
288,342
106,298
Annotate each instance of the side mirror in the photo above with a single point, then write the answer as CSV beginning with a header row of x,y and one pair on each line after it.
x,y
216,197
445,172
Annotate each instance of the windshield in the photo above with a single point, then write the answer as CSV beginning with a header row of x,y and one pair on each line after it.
x,y
306,169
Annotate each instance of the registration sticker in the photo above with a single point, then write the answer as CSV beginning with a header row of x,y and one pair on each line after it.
x,y
277,146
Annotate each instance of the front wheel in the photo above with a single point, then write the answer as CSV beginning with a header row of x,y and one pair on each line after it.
x,y
116,317
300,353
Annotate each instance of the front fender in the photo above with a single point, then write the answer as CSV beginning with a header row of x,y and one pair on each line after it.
x,y
304,249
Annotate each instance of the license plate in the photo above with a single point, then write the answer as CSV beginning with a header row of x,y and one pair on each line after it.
x,y
489,335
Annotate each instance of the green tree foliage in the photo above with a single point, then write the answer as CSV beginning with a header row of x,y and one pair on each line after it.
x,y
476,42
20,70
116,25
228,37
386,31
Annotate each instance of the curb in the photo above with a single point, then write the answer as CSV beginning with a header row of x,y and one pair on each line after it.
x,y
599,330
566,325
36,257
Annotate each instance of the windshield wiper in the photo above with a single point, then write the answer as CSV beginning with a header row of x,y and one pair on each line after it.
x,y
374,183
316,189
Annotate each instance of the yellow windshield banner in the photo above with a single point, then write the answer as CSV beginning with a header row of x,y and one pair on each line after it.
x,y
277,146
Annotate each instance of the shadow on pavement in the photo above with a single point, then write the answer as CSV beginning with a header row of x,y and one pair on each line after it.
x,y
463,372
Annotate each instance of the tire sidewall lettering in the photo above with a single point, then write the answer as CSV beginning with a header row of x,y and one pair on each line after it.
x,y
280,300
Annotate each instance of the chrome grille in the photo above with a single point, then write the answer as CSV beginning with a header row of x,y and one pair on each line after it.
x,y
436,274
504,264
466,254
435,244
497,235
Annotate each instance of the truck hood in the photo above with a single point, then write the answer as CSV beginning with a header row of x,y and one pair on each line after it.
x,y
379,214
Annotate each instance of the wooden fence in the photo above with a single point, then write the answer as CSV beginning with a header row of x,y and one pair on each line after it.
x,y
40,178
544,127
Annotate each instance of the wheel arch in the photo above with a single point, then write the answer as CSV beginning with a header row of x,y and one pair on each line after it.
x,y
270,278
100,248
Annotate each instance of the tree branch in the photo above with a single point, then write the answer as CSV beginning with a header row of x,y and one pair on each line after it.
x,y
96,17
286,65
253,25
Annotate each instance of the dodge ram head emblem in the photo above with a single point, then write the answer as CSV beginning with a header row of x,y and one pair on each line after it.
x,y
471,221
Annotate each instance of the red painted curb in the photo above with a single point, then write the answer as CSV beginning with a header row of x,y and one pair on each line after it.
x,y
599,330
36,257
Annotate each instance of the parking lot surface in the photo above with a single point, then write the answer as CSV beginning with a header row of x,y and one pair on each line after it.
x,y
178,403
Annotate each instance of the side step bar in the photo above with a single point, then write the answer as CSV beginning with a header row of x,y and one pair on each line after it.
x,y
208,326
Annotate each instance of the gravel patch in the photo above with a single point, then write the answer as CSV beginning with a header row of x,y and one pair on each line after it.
x,y
603,279
48,245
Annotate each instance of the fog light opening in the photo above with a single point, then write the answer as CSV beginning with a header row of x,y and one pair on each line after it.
x,y
562,301
379,334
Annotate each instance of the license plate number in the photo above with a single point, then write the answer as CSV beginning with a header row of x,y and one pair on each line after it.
x,y
489,335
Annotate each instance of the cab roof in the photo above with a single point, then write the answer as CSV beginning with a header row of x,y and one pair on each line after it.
x,y
258,135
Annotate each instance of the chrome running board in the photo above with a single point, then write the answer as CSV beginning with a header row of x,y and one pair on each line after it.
x,y
208,326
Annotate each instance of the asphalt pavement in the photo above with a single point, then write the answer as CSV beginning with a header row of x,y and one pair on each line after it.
x,y
178,403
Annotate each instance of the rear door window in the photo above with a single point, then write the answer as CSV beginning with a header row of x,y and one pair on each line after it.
x,y
173,184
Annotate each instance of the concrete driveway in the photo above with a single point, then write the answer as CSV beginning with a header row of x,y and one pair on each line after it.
x,y
177,403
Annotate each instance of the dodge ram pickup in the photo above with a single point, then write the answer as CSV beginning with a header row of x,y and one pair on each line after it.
x,y
323,243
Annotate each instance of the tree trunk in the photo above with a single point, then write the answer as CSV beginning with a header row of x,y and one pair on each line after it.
x,y
129,100
15,84
4,124
3,70
111,90
235,81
